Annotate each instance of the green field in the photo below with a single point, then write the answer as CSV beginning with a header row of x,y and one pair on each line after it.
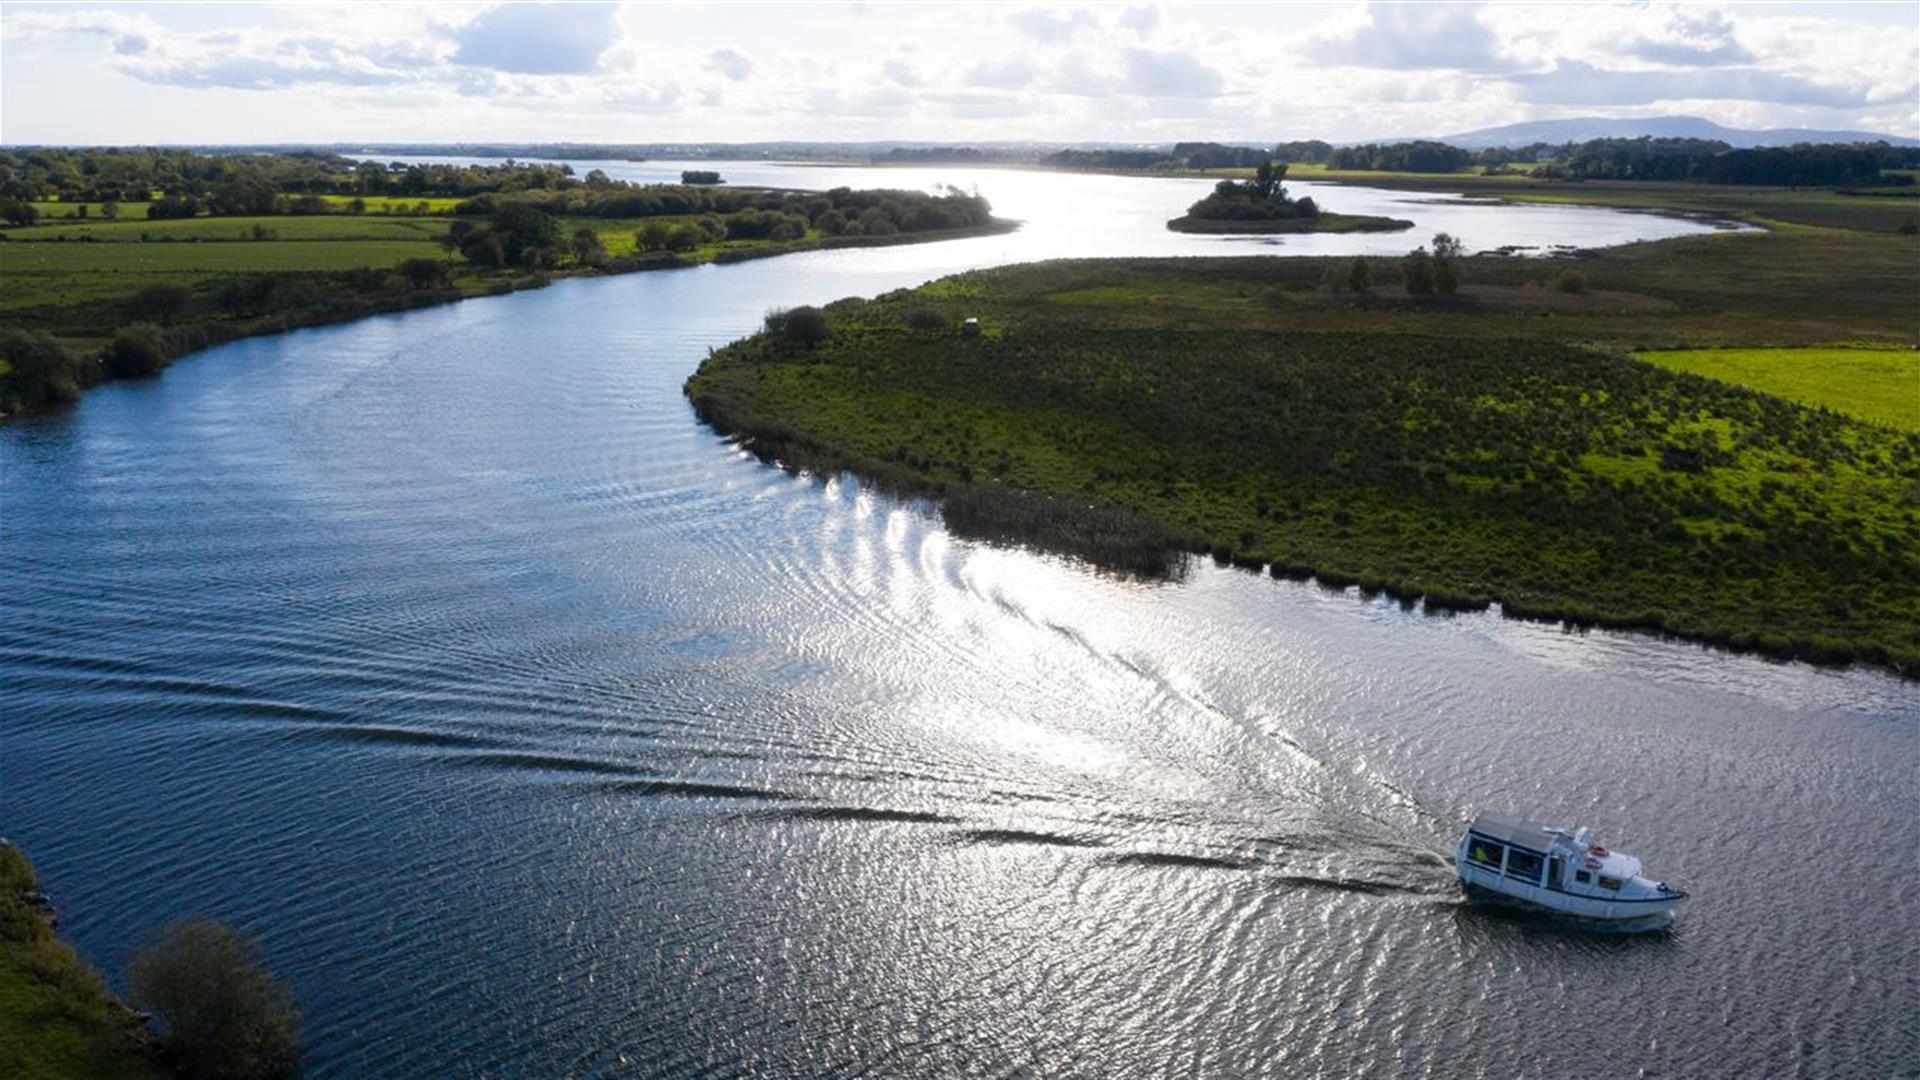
x,y
280,227
127,211
40,275
1495,446
399,204
1880,385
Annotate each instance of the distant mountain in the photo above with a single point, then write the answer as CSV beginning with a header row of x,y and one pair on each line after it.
x,y
1583,128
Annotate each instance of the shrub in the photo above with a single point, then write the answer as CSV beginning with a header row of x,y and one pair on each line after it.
x,y
38,369
926,318
1359,276
1417,271
161,301
1571,281
422,272
802,325
652,236
137,351
221,1013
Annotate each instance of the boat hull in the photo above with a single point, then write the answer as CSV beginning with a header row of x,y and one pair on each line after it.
x,y
1484,884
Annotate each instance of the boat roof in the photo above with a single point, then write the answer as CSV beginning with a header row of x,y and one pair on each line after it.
x,y
1513,830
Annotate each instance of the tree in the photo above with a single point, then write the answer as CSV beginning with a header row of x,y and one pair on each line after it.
x,y
520,227
587,248
161,301
136,352
1446,276
222,1015
423,273
109,209
19,212
249,295
1417,271
1359,276
41,369
652,236
685,238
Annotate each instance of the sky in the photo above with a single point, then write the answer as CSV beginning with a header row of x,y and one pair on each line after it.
x,y
1130,72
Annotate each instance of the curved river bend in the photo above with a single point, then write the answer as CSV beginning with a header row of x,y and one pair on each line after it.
x,y
537,731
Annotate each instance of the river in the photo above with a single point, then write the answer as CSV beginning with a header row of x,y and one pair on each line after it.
x,y
538,731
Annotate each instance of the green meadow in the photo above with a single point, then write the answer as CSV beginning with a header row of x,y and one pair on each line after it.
x,y
1879,385
1499,445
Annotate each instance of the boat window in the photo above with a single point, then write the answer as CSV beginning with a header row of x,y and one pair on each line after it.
x,y
1583,877
1524,864
1485,852
1609,882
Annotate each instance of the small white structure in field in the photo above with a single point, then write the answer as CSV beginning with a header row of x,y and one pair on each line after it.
x,y
970,328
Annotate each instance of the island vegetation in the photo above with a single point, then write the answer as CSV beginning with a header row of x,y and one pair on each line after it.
x,y
1261,204
118,261
693,177
1493,441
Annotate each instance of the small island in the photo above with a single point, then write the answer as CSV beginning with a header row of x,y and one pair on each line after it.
x,y
700,177
1261,205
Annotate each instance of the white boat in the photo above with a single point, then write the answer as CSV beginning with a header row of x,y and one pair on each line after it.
x,y
1558,870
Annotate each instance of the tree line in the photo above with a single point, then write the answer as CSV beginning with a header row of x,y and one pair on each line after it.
x,y
122,174
1709,161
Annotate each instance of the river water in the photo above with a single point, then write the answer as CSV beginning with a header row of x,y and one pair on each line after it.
x,y
538,731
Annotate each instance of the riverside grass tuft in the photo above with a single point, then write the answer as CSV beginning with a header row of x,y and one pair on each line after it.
x,y
1465,453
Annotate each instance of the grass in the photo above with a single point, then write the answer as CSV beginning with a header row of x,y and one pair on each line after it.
x,y
54,209
56,1021
240,229
1494,446
1877,385
55,275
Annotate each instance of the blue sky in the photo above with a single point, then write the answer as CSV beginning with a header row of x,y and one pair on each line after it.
x,y
324,72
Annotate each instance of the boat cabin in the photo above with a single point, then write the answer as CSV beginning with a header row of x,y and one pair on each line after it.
x,y
1530,854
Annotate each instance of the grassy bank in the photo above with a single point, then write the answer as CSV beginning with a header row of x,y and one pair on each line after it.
x,y
56,1020
1493,446
81,282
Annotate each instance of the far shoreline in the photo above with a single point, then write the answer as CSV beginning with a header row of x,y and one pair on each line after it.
x,y
217,334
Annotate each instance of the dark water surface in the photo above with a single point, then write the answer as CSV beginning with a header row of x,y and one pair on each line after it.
x,y
537,731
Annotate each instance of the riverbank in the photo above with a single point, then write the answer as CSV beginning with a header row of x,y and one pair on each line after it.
x,y
56,1018
1321,223
1464,450
82,320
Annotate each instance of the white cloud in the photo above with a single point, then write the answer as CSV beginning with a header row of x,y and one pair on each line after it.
x,y
538,39
1011,73
1050,28
952,73
1412,36
1573,82
1170,74
731,63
